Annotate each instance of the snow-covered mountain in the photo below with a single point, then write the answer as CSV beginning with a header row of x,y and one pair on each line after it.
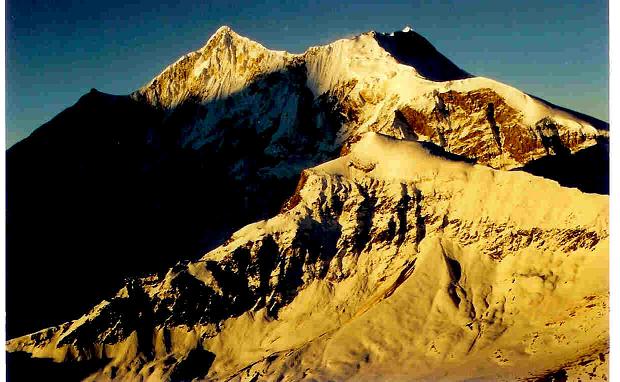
x,y
395,84
357,214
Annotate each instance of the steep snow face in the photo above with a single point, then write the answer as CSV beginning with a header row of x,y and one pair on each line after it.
x,y
225,65
398,85
386,256
478,118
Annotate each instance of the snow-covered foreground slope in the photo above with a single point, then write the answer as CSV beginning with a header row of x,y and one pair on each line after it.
x,y
386,263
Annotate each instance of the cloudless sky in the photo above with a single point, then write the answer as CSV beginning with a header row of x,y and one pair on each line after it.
x,y
58,50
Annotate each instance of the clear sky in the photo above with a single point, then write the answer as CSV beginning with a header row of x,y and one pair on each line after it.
x,y
58,50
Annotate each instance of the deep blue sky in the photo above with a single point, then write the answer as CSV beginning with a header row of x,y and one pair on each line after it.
x,y
58,50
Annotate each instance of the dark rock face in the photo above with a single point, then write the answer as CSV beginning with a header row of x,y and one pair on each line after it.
x,y
555,376
22,368
81,203
587,169
108,188
412,49
197,363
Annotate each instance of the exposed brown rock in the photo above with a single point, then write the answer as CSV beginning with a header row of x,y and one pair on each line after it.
x,y
480,125
296,197
417,121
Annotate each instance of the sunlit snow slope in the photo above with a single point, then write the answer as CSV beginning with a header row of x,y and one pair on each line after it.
x,y
388,262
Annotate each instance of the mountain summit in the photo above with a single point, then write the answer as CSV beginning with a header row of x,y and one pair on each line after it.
x,y
397,84
364,210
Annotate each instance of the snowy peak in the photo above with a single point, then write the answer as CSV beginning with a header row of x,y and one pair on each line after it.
x,y
396,84
224,29
225,65
229,61
223,35
227,36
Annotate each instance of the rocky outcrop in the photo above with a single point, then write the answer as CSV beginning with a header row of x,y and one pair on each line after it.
x,y
480,125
